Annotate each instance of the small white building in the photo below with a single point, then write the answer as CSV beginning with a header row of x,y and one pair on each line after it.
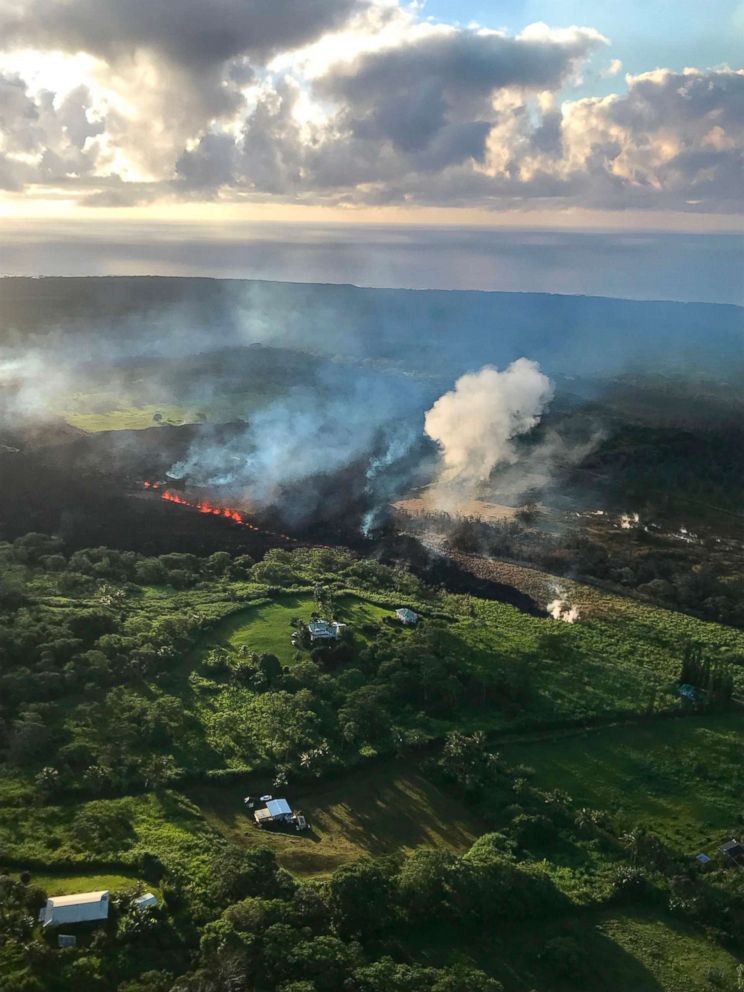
x,y
84,907
146,901
407,616
322,630
276,811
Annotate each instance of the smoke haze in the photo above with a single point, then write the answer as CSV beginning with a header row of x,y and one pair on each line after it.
x,y
325,389
313,432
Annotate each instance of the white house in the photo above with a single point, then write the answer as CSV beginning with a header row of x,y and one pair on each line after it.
x,y
83,907
406,616
322,630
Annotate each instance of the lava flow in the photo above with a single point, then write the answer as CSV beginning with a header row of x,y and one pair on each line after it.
x,y
202,506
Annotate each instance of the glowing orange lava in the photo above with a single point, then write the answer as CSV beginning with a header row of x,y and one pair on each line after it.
x,y
225,512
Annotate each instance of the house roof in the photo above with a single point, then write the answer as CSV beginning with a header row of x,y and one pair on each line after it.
x,y
146,900
732,847
322,628
78,908
80,899
279,807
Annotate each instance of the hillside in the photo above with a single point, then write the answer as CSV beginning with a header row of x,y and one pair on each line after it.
x,y
461,775
441,332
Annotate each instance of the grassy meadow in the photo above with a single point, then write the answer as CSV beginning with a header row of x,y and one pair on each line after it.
x,y
683,778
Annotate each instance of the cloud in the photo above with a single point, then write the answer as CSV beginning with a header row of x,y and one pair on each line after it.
x,y
195,34
673,140
409,93
352,102
420,104
612,69
46,140
169,67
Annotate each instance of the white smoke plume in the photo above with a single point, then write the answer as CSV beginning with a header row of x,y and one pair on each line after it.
x,y
475,423
560,608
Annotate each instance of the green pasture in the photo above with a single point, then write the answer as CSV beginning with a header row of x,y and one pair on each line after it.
x,y
370,812
129,418
64,885
267,628
682,778
620,951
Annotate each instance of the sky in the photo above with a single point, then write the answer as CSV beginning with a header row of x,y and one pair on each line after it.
x,y
528,114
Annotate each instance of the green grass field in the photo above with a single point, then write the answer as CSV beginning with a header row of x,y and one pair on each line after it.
x,y
372,812
682,778
267,628
129,418
131,410
594,722
630,950
63,885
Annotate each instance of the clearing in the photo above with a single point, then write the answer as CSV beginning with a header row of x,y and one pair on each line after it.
x,y
267,628
372,812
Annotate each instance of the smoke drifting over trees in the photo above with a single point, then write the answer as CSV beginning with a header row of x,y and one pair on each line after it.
x,y
308,434
378,421
303,395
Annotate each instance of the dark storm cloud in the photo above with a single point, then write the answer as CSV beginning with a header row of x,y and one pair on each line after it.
x,y
674,140
194,33
410,93
421,106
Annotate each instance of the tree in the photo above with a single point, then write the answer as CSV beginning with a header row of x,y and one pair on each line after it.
x,y
528,513
423,884
364,716
360,898
30,737
270,668
237,873
565,956
218,563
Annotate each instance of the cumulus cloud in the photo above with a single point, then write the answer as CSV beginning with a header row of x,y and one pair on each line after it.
x,y
673,139
169,67
408,93
42,139
422,103
354,102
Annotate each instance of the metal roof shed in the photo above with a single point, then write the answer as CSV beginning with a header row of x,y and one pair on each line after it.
x,y
83,907
278,808
146,901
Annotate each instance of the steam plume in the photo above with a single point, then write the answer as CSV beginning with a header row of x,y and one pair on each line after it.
x,y
475,423
560,608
